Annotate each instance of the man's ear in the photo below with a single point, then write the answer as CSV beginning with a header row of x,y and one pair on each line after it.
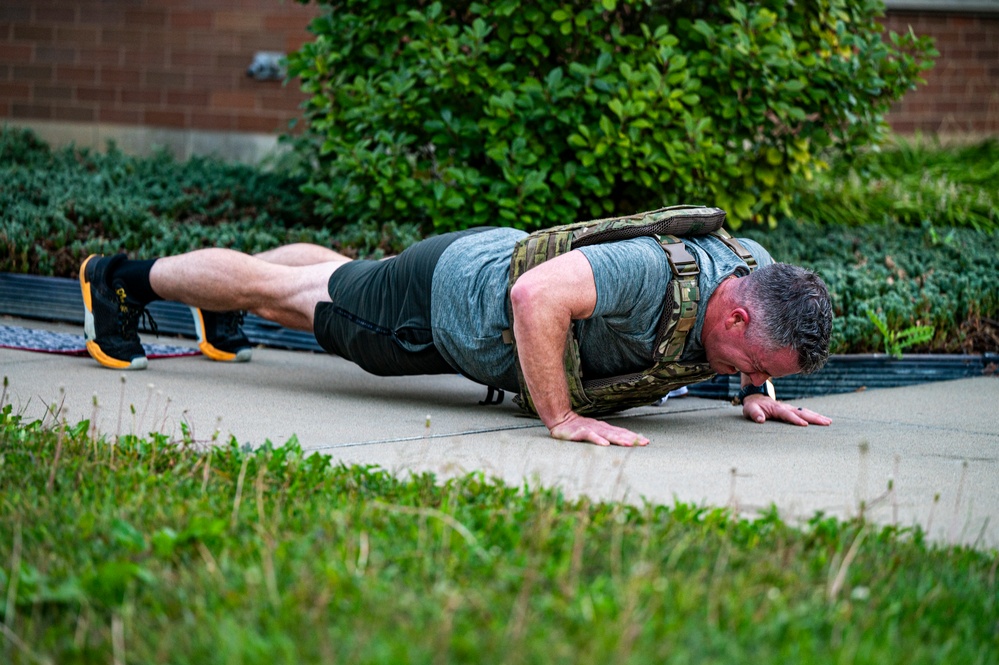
x,y
737,318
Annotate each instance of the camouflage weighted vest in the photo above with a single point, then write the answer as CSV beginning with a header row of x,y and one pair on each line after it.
x,y
607,395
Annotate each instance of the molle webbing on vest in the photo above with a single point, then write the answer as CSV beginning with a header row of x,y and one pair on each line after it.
x,y
679,312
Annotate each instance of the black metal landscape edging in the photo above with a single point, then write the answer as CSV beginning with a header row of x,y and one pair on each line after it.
x,y
59,299
850,373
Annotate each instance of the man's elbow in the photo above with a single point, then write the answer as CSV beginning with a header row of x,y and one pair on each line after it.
x,y
524,298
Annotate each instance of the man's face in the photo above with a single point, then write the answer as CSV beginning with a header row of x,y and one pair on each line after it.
x,y
733,354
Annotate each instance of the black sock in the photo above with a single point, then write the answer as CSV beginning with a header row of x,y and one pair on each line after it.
x,y
134,275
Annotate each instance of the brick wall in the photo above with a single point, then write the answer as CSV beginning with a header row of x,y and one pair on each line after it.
x,y
961,95
181,64
162,63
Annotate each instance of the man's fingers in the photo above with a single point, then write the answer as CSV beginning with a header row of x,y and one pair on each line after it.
x,y
814,418
799,416
620,436
597,432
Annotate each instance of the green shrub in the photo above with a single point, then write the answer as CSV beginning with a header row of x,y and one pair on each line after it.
x,y
530,114
909,184
58,206
910,277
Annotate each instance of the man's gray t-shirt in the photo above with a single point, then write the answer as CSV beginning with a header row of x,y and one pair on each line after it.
x,y
469,309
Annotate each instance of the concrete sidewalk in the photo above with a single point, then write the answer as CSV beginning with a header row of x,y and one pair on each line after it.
x,y
938,442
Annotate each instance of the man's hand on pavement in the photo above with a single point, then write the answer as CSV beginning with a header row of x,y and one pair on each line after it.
x,y
760,408
580,428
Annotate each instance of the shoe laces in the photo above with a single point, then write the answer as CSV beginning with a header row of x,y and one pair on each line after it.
x,y
130,315
232,322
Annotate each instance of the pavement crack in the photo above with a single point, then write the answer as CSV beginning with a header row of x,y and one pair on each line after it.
x,y
422,437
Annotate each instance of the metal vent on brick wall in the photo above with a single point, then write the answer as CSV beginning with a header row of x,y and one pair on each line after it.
x,y
267,66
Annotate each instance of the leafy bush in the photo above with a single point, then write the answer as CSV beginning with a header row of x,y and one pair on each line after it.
x,y
909,184
455,114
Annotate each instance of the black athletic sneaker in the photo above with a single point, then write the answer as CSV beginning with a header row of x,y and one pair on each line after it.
x,y
220,335
111,318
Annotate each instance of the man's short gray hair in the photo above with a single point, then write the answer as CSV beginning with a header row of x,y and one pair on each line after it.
x,y
793,305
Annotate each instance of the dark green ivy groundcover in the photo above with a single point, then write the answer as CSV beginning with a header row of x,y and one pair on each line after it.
x,y
145,551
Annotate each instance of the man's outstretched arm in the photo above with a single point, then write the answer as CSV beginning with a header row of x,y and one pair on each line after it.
x,y
545,301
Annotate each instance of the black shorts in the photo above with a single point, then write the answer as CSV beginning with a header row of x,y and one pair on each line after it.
x,y
380,314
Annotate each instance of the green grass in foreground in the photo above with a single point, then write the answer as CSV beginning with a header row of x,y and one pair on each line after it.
x,y
147,551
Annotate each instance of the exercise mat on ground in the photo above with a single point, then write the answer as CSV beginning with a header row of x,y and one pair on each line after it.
x,y
46,341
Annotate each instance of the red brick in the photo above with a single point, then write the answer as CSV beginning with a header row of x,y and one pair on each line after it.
x,y
18,91
190,58
51,93
34,33
962,21
16,53
74,113
115,76
61,14
973,37
197,98
76,36
228,99
216,121
239,21
258,123
165,118
287,22
38,111
67,74
141,97
260,41
294,42
210,39
131,37
15,14
119,116
102,55
165,79
55,54
104,14
155,56
286,102
233,61
92,94
151,18
191,19
211,80
32,73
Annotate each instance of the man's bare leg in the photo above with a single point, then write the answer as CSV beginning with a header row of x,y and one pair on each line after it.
x,y
281,285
